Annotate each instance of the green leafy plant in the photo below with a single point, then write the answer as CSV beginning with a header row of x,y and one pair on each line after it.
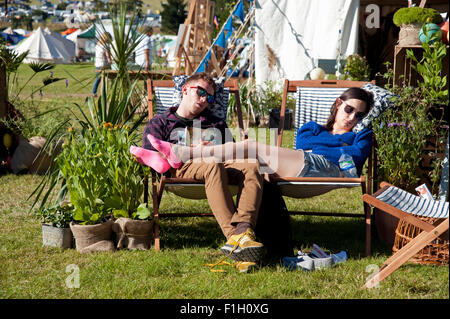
x,y
401,134
356,68
256,101
126,39
101,175
95,166
58,216
429,67
173,14
416,15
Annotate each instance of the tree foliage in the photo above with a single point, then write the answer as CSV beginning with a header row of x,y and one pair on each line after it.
x,y
173,14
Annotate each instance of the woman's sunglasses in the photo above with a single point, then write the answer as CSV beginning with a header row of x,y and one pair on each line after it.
x,y
350,109
201,92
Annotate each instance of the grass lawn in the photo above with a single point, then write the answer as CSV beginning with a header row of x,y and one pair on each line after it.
x,y
30,271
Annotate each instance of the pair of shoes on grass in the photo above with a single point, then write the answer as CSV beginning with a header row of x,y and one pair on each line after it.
x,y
317,259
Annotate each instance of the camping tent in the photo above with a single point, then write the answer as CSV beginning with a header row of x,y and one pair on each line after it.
x,y
84,47
11,37
44,47
69,31
293,36
89,33
68,45
23,32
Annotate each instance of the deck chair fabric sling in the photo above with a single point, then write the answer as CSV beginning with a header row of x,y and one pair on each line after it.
x,y
313,102
163,93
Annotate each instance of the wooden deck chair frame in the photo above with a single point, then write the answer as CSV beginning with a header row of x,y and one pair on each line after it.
x,y
183,187
429,233
290,186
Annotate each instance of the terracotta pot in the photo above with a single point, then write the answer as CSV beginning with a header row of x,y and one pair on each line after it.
x,y
386,225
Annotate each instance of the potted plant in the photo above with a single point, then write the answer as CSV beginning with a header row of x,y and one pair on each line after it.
x,y
429,67
104,181
356,68
102,178
55,225
410,21
406,157
134,231
95,170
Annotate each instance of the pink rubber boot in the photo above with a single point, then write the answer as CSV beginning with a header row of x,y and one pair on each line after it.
x,y
165,148
150,158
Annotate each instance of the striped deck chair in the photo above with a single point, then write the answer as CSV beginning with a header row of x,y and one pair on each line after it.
x,y
406,206
163,92
410,208
313,102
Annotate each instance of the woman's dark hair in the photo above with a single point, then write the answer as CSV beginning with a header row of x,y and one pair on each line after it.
x,y
351,93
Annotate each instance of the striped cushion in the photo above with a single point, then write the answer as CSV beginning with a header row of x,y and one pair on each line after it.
x,y
314,104
413,204
164,98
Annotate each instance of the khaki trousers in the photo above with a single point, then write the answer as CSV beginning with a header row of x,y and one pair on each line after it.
x,y
217,177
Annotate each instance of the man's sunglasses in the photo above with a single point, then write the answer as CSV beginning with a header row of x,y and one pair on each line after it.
x,y
201,92
350,109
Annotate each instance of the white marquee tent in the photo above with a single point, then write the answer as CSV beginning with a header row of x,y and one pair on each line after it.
x,y
46,47
292,37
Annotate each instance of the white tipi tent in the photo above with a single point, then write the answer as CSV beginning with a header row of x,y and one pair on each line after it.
x,y
68,45
43,47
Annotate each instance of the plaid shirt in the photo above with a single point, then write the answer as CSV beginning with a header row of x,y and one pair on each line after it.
x,y
162,125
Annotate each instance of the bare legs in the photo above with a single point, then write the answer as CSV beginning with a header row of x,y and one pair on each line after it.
x,y
280,161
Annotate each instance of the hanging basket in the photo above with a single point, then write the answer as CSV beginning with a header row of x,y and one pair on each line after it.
x,y
409,34
435,253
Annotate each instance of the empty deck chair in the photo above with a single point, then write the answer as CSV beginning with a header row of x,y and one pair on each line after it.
x,y
411,208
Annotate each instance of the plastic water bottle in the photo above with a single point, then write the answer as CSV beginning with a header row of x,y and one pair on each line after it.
x,y
347,165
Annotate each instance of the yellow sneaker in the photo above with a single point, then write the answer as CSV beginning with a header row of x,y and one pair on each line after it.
x,y
244,247
245,266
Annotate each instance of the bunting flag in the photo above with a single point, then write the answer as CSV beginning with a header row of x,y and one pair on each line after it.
x,y
201,67
229,28
221,40
225,34
239,12
216,22
208,57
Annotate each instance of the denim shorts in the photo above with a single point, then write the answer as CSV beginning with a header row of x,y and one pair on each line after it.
x,y
318,166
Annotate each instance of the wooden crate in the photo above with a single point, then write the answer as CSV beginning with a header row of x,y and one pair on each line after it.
x,y
403,71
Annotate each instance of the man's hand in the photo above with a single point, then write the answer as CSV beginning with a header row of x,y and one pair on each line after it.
x,y
202,143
